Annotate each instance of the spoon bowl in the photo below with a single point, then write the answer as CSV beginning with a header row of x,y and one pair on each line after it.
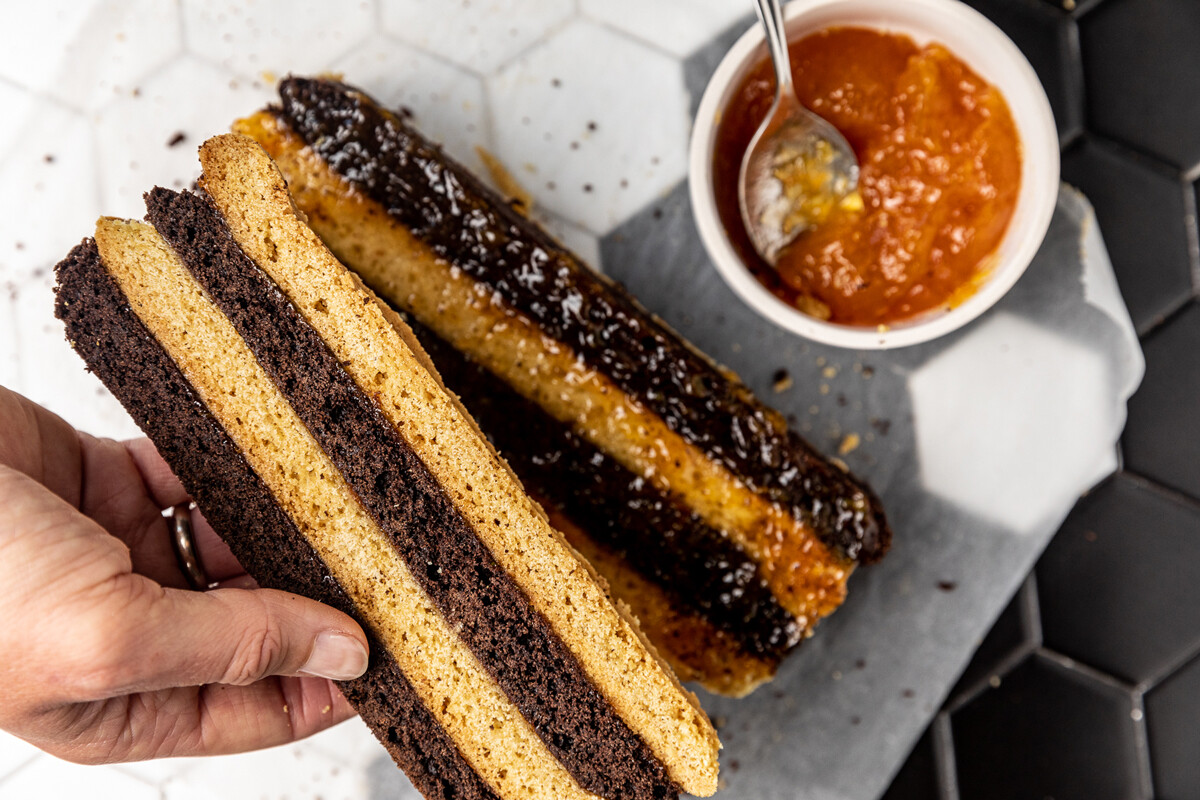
x,y
798,169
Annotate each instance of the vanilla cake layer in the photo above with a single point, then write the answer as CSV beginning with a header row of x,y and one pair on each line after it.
x,y
119,348
357,468
694,460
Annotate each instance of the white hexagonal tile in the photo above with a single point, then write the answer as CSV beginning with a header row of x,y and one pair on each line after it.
x,y
52,374
17,104
581,138
14,753
446,102
47,191
274,36
678,26
478,34
10,344
85,52
48,777
137,137
292,771
982,449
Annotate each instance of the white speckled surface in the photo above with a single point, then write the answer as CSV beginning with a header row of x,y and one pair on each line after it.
x,y
101,88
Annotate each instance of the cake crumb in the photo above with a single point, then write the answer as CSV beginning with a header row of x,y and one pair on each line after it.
x,y
48,158
781,381
849,443
326,709
830,372
947,586
177,139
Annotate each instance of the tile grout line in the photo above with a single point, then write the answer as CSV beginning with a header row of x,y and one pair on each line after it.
x,y
944,757
1175,309
4,776
1074,666
994,678
1031,609
1141,745
1192,231
1169,671
1134,154
543,39
1166,492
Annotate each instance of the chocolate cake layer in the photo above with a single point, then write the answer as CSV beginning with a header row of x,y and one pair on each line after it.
x,y
696,565
119,349
472,592
466,223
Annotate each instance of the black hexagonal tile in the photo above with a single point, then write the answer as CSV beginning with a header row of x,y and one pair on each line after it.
x,y
1140,65
1162,437
1051,43
1011,636
1119,586
1047,731
1173,728
1143,215
917,779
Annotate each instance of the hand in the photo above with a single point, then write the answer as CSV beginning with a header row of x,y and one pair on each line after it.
x,y
106,656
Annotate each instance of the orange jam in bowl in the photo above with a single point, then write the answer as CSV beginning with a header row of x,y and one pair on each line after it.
x,y
940,161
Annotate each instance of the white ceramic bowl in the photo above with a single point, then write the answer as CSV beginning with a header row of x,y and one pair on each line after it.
x,y
983,47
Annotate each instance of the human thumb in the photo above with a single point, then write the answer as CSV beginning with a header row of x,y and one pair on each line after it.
x,y
236,637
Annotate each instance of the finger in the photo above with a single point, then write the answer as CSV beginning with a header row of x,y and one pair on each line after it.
x,y
166,491
116,495
215,556
235,718
40,444
161,484
164,638
196,721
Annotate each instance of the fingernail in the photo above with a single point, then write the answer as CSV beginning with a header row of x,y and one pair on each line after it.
x,y
336,656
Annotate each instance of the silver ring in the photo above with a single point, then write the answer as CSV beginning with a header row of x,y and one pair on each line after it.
x,y
183,541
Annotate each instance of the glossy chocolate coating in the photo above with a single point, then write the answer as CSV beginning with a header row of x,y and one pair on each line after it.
x,y
469,225
697,566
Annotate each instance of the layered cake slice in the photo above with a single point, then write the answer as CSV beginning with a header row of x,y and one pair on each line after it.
x,y
728,535
311,429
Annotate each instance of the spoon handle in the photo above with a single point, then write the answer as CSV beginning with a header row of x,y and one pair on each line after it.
x,y
771,14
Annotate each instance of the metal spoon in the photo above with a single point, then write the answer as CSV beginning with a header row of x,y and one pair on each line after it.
x,y
798,168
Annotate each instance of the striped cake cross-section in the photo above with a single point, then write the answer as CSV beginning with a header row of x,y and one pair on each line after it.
x,y
728,535
500,668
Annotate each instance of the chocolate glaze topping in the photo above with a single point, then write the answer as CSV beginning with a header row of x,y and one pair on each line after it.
x,y
698,567
469,225
474,594
119,349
